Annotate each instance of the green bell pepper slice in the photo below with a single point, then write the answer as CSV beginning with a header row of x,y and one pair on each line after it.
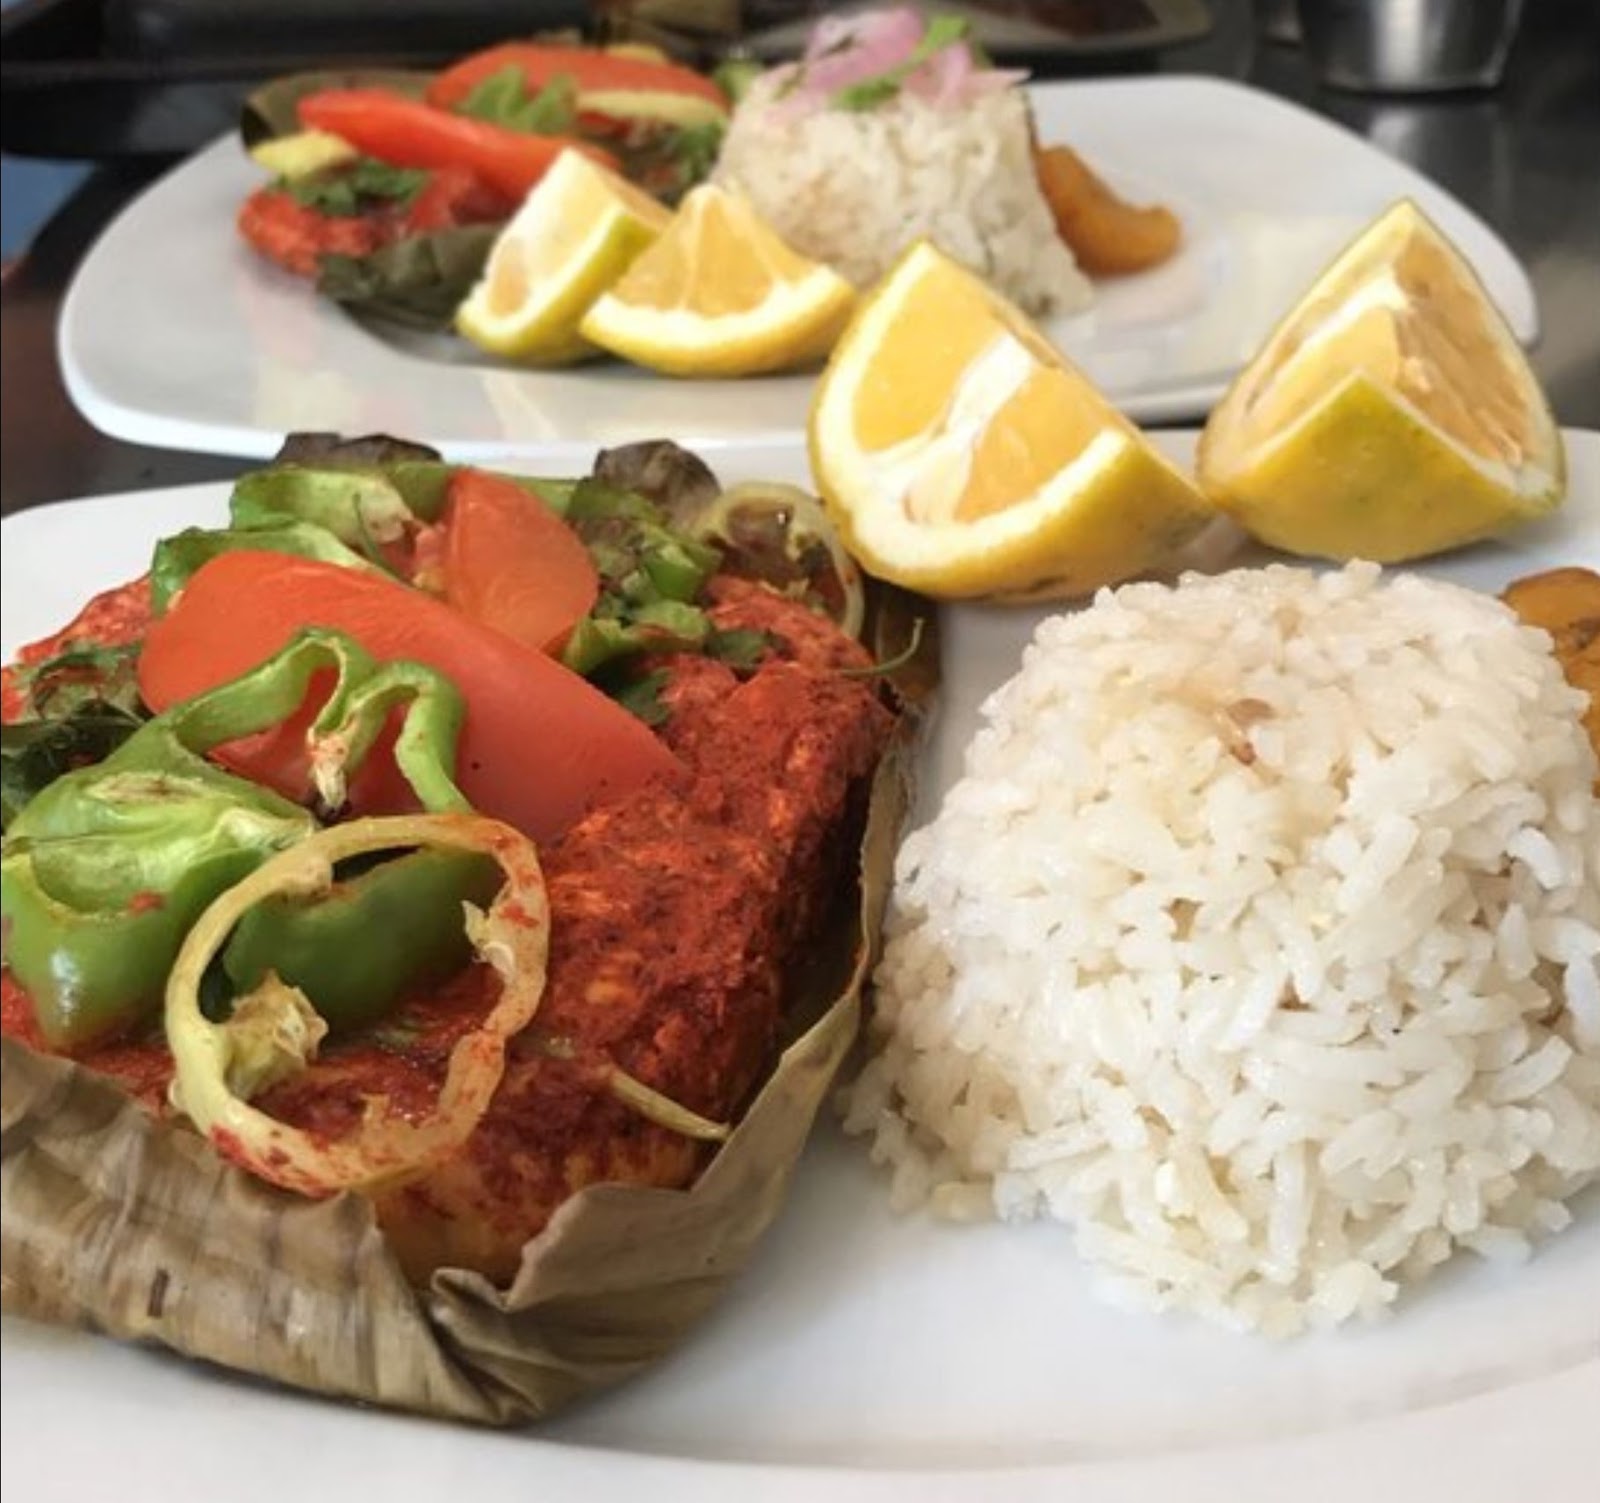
x,y
359,508
105,870
362,505
369,939
180,556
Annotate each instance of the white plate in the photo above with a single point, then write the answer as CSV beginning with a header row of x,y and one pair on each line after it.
x,y
175,334
877,1358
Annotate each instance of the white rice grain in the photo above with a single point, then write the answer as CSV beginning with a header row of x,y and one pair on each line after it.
x,y
1273,1035
857,188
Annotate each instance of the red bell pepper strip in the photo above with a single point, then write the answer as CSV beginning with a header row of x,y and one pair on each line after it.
x,y
590,69
406,133
511,563
539,747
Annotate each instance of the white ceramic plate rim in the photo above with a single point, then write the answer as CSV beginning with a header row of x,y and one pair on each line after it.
x,y
194,329
84,1415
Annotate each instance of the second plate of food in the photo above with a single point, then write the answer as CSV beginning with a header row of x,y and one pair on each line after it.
x,y
176,334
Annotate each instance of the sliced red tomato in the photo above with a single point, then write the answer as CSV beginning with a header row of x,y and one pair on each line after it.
x,y
511,563
454,196
407,133
591,70
539,747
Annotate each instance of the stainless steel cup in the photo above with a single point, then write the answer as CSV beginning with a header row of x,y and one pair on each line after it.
x,y
1409,46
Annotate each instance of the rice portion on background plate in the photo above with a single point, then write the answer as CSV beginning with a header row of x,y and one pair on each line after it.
x,y
946,155
1260,942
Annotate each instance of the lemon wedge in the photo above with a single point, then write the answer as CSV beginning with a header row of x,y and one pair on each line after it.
x,y
1392,414
719,294
576,233
961,455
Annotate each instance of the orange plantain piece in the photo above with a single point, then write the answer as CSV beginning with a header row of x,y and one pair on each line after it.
x,y
1108,237
1566,603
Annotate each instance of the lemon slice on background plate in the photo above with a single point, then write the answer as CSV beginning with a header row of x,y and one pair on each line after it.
x,y
719,294
576,233
961,455
1391,414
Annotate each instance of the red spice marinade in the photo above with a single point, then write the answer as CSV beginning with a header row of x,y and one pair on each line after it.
x,y
112,619
141,1067
677,913
297,236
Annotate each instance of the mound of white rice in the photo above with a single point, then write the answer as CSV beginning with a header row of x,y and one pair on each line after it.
x,y
1258,943
856,188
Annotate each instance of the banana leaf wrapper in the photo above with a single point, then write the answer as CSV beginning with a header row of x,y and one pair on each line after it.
x,y
274,109
418,282
116,1222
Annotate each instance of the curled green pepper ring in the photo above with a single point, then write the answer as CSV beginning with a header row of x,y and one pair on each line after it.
x,y
274,1031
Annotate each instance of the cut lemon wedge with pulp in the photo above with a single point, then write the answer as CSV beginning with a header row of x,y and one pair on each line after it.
x,y
719,294
1392,414
961,455
576,233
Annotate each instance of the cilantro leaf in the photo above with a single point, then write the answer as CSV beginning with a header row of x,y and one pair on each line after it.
x,y
739,647
34,753
85,703
641,697
345,191
83,676
734,76
868,94
503,99
943,31
695,147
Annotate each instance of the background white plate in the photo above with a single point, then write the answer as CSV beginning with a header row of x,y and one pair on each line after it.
x,y
874,1357
176,334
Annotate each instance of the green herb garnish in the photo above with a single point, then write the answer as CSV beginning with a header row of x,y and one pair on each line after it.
x,y
82,704
80,677
695,147
34,753
641,697
943,31
650,576
667,160
735,75
739,647
503,99
348,190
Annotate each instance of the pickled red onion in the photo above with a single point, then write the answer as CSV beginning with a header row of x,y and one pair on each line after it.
x,y
846,51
